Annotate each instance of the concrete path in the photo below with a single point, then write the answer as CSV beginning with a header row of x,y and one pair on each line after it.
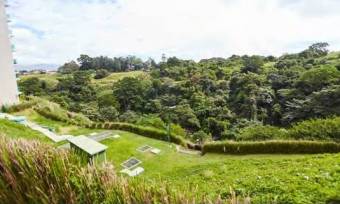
x,y
54,137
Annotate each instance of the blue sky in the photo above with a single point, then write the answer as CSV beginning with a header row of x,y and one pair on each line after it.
x,y
55,31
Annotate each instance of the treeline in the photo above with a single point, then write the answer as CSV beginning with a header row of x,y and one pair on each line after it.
x,y
116,64
213,99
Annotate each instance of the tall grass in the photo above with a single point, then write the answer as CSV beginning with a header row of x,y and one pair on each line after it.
x,y
31,172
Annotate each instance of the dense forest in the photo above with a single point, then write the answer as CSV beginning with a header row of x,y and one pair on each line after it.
x,y
231,98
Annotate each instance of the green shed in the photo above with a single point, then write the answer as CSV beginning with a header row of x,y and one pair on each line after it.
x,y
90,150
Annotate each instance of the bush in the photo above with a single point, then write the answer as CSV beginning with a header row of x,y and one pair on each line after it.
x,y
272,147
21,106
200,136
101,73
261,132
317,129
53,111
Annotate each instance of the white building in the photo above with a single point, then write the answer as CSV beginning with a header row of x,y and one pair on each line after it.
x,y
8,84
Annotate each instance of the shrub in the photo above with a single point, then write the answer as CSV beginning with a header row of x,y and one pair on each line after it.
x,y
200,136
22,106
101,73
272,147
261,132
53,111
317,129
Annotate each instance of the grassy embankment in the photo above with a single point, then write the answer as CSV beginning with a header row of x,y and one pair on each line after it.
x,y
286,178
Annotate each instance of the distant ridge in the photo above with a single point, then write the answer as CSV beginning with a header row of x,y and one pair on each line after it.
x,y
36,66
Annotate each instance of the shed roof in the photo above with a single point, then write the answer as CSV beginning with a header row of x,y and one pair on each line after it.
x,y
88,145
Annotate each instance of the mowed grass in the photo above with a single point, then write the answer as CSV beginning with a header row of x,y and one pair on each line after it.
x,y
13,130
59,127
265,178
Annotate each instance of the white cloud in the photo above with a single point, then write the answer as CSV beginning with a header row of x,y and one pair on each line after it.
x,y
53,31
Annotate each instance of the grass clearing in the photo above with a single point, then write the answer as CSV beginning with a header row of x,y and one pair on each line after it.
x,y
59,127
15,131
285,178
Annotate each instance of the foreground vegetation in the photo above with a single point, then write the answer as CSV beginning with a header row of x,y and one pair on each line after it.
x,y
35,173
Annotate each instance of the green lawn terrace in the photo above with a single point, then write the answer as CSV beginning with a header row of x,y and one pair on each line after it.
x,y
301,178
286,178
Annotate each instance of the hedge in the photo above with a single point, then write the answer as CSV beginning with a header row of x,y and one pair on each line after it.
x,y
144,131
272,147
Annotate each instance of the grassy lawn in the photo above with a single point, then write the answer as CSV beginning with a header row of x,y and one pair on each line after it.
x,y
286,178
13,130
119,75
59,127
51,79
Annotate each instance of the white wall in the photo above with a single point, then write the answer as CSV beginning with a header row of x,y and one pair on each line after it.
x,y
8,84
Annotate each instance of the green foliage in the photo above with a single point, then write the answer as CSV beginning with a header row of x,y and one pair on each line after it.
x,y
211,95
200,136
101,73
262,132
130,93
112,64
69,68
55,112
316,79
272,147
22,106
317,129
252,64
108,113
33,86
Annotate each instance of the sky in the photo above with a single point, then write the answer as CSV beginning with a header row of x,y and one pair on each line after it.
x,y
56,31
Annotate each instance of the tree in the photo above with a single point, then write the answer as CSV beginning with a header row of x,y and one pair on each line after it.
x,y
186,117
108,113
32,86
130,93
217,127
315,50
316,79
252,64
86,62
69,67
78,87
